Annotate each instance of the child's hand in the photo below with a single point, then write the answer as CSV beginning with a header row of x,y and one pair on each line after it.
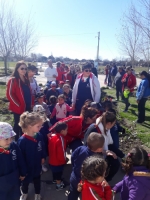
x,y
22,178
110,153
43,161
104,183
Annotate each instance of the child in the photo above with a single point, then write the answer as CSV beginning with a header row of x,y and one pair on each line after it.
x,y
60,88
57,153
93,184
61,108
44,130
95,144
53,101
12,165
32,147
136,183
39,99
52,91
68,94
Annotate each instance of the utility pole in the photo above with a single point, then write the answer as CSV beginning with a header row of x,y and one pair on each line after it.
x,y
98,46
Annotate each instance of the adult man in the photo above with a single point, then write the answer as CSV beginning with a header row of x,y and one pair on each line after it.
x,y
50,72
113,73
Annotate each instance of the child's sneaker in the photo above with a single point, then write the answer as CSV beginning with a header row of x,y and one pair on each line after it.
x,y
44,168
37,197
23,196
60,187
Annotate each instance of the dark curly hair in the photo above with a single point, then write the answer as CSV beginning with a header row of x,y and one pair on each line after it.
x,y
93,167
136,157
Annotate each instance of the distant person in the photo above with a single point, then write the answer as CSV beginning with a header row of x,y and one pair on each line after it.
x,y
31,69
60,72
68,94
128,83
106,73
19,94
60,88
118,82
94,70
86,87
113,73
142,94
50,72
136,182
109,76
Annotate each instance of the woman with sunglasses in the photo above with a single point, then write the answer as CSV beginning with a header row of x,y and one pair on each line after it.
x,y
86,87
19,94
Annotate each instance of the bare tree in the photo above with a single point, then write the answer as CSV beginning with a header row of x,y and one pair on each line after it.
x,y
17,36
129,41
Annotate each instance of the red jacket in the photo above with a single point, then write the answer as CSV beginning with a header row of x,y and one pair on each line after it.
x,y
131,81
15,96
60,74
74,127
57,149
95,191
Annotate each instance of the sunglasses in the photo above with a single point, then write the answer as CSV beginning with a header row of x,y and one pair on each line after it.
x,y
87,70
23,68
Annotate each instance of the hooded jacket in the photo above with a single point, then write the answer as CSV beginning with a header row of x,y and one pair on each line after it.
x,y
131,83
134,187
143,90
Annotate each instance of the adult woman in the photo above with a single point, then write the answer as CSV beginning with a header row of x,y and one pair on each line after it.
x,y
72,74
142,94
19,94
77,71
60,71
128,83
77,126
106,73
86,87
68,93
33,83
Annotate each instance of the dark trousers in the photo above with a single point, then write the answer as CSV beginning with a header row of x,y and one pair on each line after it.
x,y
74,194
75,144
141,110
106,77
37,185
113,167
118,90
57,176
17,129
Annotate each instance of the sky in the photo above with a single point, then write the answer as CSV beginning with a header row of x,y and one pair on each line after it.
x,y
69,28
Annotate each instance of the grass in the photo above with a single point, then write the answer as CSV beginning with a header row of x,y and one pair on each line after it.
x,y
142,130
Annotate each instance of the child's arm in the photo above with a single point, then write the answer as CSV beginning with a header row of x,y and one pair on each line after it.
x,y
117,188
61,153
69,109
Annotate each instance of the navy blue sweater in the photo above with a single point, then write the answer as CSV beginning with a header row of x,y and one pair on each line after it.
x,y
12,161
33,152
77,158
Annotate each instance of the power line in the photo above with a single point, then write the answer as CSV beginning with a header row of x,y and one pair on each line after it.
x,y
67,35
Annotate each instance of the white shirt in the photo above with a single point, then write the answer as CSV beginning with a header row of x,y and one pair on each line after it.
x,y
49,72
107,136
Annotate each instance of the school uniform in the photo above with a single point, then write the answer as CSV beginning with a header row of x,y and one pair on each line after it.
x,y
33,152
95,191
77,158
12,166
57,154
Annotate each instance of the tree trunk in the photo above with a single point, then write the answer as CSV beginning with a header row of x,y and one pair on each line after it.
x,y
5,64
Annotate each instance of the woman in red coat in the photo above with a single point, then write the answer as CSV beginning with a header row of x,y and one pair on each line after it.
x,y
128,84
60,71
77,125
19,94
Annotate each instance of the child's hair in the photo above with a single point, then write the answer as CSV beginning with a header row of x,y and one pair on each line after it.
x,y
92,168
136,157
112,111
62,96
95,141
88,111
53,99
60,126
30,119
106,118
108,105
